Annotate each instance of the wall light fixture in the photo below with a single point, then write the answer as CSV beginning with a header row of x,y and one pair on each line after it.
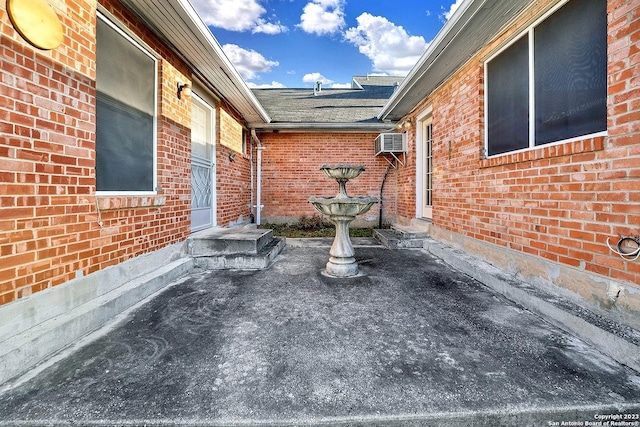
x,y
183,89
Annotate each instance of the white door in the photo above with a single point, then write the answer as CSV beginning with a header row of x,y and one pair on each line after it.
x,y
427,169
203,177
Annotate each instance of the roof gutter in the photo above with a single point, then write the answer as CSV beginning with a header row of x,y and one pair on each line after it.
x,y
465,13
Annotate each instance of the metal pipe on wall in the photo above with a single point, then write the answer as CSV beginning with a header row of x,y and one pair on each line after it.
x,y
259,148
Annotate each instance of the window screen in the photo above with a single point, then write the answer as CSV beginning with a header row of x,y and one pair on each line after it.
x,y
508,99
571,72
125,83
567,68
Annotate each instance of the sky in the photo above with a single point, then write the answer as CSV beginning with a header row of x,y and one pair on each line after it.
x,y
295,43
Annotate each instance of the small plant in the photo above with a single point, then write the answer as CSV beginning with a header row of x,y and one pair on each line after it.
x,y
315,222
312,226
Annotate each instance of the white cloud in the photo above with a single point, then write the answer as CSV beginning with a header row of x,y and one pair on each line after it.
x,y
446,15
388,46
248,62
268,28
341,86
271,85
322,17
316,77
236,15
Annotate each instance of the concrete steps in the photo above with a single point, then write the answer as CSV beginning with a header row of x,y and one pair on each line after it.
x,y
402,237
234,248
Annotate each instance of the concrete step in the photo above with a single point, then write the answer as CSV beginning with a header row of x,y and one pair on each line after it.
x,y
411,232
394,239
227,241
234,248
243,261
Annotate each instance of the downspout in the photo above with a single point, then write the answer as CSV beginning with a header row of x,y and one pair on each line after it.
x,y
259,148
252,184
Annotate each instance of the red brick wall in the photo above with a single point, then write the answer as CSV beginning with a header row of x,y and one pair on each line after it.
x,y
48,218
291,173
233,178
561,202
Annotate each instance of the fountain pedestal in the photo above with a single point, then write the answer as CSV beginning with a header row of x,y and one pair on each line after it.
x,y
341,210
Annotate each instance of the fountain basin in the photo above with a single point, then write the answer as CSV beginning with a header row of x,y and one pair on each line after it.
x,y
342,171
340,206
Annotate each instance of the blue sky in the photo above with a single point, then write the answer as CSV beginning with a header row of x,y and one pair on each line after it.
x,y
294,43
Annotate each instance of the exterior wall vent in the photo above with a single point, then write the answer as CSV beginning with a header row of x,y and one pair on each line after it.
x,y
391,143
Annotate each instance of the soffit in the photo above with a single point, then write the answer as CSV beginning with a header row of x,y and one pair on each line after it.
x,y
179,25
473,25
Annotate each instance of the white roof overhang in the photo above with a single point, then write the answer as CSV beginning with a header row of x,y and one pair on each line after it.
x,y
472,25
178,24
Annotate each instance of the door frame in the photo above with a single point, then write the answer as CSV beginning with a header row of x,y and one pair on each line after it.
x,y
196,99
423,119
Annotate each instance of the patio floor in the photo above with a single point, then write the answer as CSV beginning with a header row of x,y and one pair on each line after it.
x,y
410,342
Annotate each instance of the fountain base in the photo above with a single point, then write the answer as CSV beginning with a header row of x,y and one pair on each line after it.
x,y
341,256
341,267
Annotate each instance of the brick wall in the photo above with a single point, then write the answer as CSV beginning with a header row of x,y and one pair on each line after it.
x,y
49,229
233,172
231,132
559,203
291,173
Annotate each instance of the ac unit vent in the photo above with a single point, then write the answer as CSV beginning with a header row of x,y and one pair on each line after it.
x,y
391,143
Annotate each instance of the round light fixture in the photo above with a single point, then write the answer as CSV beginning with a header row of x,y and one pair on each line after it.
x,y
37,22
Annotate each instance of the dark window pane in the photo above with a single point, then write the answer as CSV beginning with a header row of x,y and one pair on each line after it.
x,y
124,147
125,83
571,72
508,99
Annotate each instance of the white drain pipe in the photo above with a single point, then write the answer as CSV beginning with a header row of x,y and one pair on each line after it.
x,y
259,149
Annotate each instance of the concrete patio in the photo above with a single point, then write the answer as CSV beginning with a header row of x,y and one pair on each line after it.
x,y
411,342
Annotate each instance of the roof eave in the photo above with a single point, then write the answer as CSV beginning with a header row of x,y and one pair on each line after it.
x,y
192,40
461,30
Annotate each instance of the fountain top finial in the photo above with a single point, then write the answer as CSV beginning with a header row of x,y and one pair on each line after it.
x,y
342,171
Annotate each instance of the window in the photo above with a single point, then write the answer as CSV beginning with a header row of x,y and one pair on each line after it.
x,y
551,84
125,113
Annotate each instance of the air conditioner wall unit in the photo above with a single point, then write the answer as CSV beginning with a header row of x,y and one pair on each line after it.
x,y
391,143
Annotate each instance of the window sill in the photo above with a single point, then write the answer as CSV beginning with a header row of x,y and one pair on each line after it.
x,y
107,203
595,143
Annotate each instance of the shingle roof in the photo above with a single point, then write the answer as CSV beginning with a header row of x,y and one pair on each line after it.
x,y
328,106
376,81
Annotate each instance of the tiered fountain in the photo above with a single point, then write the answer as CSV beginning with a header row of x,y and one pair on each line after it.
x,y
342,209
